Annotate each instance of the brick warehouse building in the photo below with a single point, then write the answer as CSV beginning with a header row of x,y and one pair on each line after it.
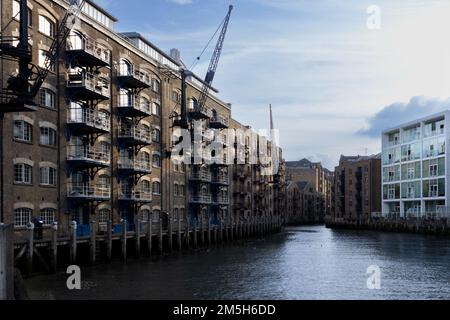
x,y
98,148
357,190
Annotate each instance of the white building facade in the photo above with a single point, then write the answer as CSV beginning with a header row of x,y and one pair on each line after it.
x,y
415,159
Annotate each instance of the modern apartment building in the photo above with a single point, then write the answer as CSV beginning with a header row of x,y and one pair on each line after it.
x,y
98,148
357,190
415,162
320,178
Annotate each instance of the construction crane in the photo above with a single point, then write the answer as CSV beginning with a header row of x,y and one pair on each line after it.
x,y
24,86
207,84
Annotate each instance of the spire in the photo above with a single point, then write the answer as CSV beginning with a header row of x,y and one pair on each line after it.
x,y
271,124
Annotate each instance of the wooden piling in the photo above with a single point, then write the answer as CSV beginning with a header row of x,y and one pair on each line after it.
x,y
6,262
149,235
30,249
138,238
73,242
54,248
109,240
92,243
124,240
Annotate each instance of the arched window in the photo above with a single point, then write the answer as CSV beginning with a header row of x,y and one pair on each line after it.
x,y
181,167
48,216
156,135
23,131
145,214
156,109
192,103
104,182
146,131
75,41
155,86
46,26
22,217
176,190
47,98
125,68
146,105
175,215
156,160
156,187
48,136
156,215
145,187
48,176
103,216
145,158
214,114
126,98
23,174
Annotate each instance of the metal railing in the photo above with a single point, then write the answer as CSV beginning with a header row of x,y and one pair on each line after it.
x,y
135,102
136,133
200,175
89,45
90,154
89,81
221,200
218,119
89,117
135,195
201,199
84,191
129,70
221,179
133,164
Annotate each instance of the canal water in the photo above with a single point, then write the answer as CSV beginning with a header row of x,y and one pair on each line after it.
x,y
300,263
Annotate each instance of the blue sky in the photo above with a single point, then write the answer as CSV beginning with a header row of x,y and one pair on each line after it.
x,y
334,84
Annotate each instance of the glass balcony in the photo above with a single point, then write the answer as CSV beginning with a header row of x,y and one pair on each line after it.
x,y
86,51
133,106
132,165
85,120
131,77
85,157
87,86
135,136
87,192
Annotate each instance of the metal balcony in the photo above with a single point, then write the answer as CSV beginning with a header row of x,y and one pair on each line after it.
x,y
221,201
83,157
135,195
132,106
200,176
88,193
221,180
87,86
134,166
201,199
131,77
219,122
86,121
134,136
86,52
200,113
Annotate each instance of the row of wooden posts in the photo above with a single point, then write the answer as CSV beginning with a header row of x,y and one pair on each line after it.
x,y
184,238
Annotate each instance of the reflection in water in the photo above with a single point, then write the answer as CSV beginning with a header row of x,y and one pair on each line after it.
x,y
301,263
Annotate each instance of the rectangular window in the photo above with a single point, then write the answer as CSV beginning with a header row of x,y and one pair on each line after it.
x,y
48,137
48,176
47,98
23,131
22,217
48,216
46,26
23,174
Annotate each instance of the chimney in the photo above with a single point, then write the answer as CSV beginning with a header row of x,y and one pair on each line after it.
x,y
175,54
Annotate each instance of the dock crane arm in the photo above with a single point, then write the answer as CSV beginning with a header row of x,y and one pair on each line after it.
x,y
214,62
63,31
